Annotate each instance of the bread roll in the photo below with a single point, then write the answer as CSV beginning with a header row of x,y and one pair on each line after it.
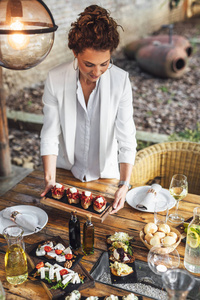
x,y
164,228
147,237
150,228
173,234
154,241
169,240
159,234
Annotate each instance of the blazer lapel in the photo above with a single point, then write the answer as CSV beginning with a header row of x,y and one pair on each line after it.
x,y
69,111
104,116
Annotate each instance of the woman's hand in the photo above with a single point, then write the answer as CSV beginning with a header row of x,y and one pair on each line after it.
x,y
120,196
49,164
48,187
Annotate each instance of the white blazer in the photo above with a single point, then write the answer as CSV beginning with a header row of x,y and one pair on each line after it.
x,y
117,129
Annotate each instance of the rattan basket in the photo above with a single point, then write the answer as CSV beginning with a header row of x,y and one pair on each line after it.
x,y
172,247
166,159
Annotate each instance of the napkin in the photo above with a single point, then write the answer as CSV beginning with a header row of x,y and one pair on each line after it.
x,y
21,219
146,203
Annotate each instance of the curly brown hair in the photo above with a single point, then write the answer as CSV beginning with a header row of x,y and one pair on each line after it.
x,y
93,29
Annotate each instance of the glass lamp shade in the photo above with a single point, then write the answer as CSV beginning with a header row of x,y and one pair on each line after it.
x,y
26,33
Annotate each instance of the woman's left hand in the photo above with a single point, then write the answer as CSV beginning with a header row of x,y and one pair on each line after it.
x,y
120,196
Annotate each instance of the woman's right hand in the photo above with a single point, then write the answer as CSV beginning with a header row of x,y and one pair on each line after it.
x,y
48,187
49,163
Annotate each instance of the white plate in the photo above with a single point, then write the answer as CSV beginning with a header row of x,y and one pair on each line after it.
x,y
136,195
33,212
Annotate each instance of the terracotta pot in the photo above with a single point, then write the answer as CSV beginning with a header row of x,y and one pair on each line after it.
x,y
177,41
163,60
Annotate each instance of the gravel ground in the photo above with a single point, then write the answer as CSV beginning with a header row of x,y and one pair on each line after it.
x,y
160,105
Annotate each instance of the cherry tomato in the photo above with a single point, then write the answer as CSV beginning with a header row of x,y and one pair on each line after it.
x,y
58,251
47,248
63,272
40,265
68,256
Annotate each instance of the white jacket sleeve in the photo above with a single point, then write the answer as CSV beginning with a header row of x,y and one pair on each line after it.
x,y
51,124
125,127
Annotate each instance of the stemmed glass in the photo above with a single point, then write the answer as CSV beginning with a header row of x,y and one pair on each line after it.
x,y
177,283
178,189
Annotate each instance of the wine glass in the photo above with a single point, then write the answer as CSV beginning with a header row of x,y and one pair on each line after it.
x,y
178,189
162,258
177,283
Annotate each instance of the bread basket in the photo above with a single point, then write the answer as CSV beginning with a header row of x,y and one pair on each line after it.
x,y
172,247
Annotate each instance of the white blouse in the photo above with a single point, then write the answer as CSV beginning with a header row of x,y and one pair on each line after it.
x,y
86,160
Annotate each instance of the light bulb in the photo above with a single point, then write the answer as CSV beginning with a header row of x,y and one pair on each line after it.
x,y
17,41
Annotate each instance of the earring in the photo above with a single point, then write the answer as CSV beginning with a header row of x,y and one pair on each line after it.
x,y
111,63
75,63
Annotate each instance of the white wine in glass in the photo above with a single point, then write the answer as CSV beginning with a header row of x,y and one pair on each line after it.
x,y
178,189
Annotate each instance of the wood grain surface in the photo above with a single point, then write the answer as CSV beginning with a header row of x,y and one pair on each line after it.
x,y
129,220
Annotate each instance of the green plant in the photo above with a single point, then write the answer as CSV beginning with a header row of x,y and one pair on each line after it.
x,y
149,113
141,145
169,101
187,135
164,89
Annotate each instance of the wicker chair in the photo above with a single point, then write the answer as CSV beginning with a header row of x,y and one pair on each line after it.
x,y
161,161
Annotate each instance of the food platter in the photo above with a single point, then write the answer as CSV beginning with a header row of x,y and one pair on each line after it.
x,y
131,278
76,267
64,205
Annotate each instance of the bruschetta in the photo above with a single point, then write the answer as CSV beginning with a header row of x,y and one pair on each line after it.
x,y
86,199
58,191
73,195
99,203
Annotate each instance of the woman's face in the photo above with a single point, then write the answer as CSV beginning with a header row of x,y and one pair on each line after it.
x,y
92,64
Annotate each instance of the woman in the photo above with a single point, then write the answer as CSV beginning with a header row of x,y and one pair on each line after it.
x,y
88,115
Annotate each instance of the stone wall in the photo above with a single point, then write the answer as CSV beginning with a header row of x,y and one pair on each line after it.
x,y
137,17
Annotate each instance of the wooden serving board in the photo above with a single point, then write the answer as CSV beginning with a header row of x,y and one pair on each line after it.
x,y
64,205
77,267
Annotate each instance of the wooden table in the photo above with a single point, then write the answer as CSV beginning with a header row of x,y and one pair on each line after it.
x,y
28,191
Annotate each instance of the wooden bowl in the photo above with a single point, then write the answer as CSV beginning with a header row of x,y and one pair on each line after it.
x,y
172,247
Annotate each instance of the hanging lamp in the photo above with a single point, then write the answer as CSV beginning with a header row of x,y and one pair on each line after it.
x,y
26,33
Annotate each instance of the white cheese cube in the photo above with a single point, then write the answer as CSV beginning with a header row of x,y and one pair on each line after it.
x,y
48,264
58,267
68,250
52,253
59,246
40,252
51,273
42,273
58,277
75,279
60,258
67,278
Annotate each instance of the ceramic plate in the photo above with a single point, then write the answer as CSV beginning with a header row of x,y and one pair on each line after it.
x,y
136,195
33,212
